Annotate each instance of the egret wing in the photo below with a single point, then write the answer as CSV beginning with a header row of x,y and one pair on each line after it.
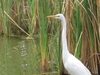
x,y
75,67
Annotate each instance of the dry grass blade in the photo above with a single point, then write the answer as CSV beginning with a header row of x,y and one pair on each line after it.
x,y
16,24
78,43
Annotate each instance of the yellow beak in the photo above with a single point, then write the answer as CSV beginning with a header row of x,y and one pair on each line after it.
x,y
51,16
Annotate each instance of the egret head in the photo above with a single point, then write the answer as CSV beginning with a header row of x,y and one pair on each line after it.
x,y
58,16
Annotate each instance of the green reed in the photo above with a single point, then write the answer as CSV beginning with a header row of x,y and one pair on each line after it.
x,y
82,19
43,32
5,6
78,29
31,5
85,32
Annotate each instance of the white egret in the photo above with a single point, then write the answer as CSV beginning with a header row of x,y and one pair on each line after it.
x,y
71,63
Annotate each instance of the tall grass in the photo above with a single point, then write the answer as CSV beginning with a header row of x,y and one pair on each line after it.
x,y
31,10
83,29
6,24
85,33
43,32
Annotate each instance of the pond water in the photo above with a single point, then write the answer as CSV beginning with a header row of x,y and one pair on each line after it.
x,y
20,57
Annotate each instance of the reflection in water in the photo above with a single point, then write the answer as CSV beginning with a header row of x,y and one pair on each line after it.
x,y
19,57
23,56
23,53
23,49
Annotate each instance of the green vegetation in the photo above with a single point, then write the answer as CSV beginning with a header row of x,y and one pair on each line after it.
x,y
23,17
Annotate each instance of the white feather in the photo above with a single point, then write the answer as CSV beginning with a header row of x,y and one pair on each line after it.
x,y
75,66
71,63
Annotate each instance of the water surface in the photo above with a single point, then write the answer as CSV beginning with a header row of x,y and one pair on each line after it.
x,y
20,57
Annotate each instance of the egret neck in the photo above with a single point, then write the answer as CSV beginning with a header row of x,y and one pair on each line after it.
x,y
65,52
71,63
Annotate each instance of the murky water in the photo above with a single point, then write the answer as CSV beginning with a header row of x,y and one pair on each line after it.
x,y
20,57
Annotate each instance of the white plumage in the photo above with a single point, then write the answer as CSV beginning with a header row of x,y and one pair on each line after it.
x,y
71,63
